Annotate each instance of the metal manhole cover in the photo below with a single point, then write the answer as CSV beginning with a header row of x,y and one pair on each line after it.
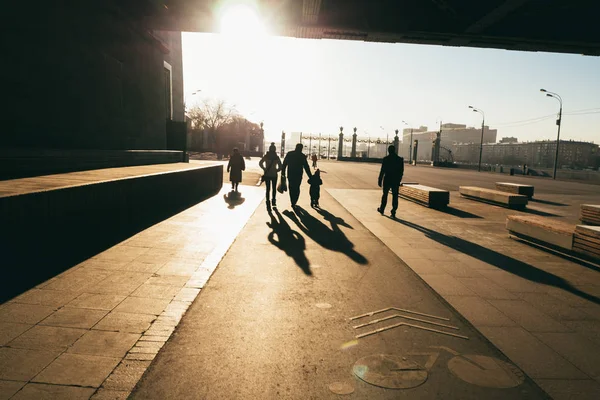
x,y
390,372
486,371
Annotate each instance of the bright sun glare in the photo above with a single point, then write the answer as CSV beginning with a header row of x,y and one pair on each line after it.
x,y
241,18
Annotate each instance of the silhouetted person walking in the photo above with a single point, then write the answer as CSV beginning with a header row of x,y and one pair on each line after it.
x,y
390,176
314,160
271,165
235,166
315,183
295,162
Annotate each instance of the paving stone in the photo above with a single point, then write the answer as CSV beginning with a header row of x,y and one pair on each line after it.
x,y
47,338
78,369
121,252
513,283
105,343
74,318
187,294
535,358
576,349
120,282
126,375
110,265
140,356
138,266
169,280
445,284
38,391
478,311
9,388
9,331
528,316
457,269
96,301
153,338
24,313
79,280
553,307
590,329
50,298
156,291
486,288
424,266
107,394
178,268
125,322
561,389
23,364
141,305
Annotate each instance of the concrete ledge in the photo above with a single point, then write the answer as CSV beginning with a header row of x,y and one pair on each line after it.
x,y
20,163
545,230
517,188
494,196
428,196
46,232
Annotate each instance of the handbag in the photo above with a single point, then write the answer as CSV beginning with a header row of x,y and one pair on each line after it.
x,y
282,187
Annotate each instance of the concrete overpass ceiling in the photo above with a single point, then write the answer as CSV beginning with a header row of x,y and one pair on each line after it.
x,y
567,26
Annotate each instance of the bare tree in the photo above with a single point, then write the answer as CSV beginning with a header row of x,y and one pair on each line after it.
x,y
211,116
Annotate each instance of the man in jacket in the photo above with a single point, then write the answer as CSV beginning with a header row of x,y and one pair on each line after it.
x,y
392,169
295,162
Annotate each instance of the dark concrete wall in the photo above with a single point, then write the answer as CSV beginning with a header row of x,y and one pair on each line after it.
x,y
84,76
45,233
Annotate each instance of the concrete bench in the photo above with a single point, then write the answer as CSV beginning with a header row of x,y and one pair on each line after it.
x,y
428,196
517,188
509,200
587,241
590,214
541,229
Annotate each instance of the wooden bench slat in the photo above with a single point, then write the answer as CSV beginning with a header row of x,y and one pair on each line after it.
x,y
493,196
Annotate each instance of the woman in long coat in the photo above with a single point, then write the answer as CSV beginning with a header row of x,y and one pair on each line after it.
x,y
271,165
235,166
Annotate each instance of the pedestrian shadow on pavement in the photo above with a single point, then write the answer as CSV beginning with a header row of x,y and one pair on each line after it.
x,y
330,238
501,261
233,199
291,242
333,219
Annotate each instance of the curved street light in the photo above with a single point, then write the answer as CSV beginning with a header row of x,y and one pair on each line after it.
x,y
558,121
482,125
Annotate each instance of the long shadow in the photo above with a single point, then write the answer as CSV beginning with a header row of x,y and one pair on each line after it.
x,y
548,202
538,212
288,240
457,213
333,219
233,199
502,261
330,238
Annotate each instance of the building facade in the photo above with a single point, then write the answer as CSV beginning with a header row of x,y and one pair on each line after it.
x,y
572,154
86,76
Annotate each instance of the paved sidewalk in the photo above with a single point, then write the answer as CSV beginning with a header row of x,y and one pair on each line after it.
x,y
274,322
541,310
94,329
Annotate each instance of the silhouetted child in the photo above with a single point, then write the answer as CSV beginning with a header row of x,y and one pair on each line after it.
x,y
315,183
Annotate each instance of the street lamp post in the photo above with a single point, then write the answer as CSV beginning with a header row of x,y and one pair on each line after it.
x,y
558,122
410,144
482,125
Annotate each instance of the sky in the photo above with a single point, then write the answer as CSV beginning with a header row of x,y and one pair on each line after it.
x,y
316,86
